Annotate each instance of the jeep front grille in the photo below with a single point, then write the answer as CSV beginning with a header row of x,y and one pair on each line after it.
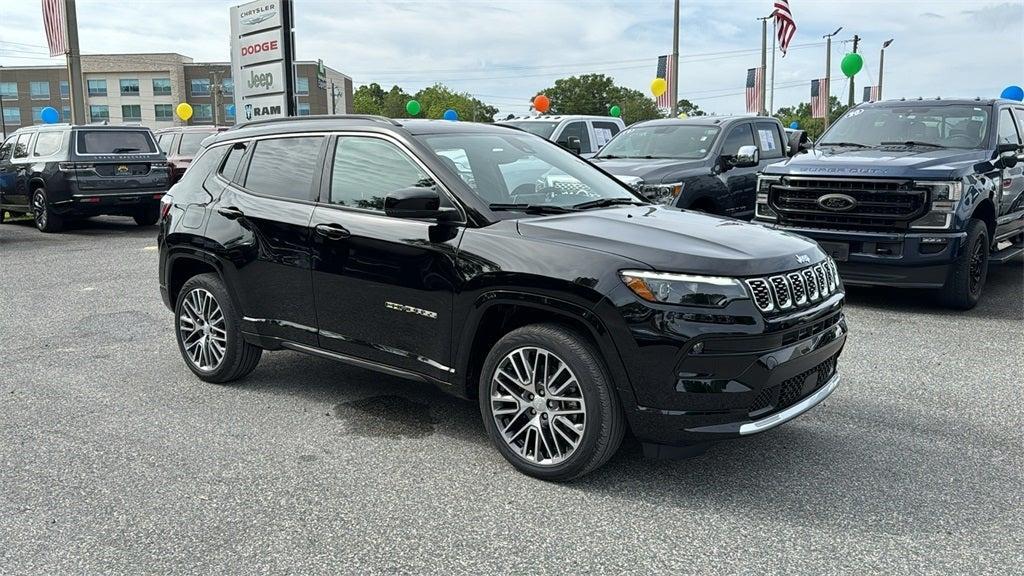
x,y
794,289
880,204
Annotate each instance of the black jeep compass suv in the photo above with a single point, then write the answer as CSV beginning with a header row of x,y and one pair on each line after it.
x,y
568,311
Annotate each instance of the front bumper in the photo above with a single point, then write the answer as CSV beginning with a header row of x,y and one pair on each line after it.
x,y
903,260
125,202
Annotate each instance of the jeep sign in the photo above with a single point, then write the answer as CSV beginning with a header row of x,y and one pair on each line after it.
x,y
261,60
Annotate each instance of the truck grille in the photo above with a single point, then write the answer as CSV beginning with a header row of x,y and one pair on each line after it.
x,y
876,204
794,289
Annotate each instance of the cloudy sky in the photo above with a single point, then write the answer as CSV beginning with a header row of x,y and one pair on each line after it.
x,y
505,51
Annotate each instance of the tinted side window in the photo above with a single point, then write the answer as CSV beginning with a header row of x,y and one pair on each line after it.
x,y
769,140
48,143
603,132
1018,113
234,159
284,167
202,167
164,142
367,169
190,142
576,130
738,136
21,146
8,146
1007,130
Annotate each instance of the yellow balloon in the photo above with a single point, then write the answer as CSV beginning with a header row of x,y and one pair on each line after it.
x,y
658,86
184,111
683,116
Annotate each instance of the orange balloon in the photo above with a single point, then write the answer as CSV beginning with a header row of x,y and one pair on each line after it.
x,y
541,103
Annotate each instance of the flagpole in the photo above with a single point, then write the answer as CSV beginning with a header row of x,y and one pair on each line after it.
x,y
74,64
764,61
775,34
673,89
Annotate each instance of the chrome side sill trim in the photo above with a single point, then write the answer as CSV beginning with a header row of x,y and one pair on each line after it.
x,y
792,412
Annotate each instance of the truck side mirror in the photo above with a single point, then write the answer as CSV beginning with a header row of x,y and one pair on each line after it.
x,y
746,157
574,145
1006,160
797,142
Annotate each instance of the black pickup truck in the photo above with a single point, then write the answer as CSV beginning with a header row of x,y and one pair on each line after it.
x,y
909,193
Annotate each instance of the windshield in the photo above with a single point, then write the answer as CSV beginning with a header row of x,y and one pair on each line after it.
x,y
512,168
542,129
670,141
948,126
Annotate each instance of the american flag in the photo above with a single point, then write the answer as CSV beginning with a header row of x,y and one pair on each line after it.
x,y
666,71
819,97
53,21
755,80
785,27
870,93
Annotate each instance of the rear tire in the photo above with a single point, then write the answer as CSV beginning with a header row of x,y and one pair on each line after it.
x,y
967,274
208,330
46,220
147,216
581,403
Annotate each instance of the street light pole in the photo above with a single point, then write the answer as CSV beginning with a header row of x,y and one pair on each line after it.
x,y
881,65
853,89
828,73
673,88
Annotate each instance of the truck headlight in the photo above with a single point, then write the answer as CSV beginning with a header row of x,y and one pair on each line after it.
x,y
762,210
666,194
685,289
943,198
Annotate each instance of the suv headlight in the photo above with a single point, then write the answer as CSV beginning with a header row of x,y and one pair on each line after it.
x,y
663,193
762,210
944,197
685,289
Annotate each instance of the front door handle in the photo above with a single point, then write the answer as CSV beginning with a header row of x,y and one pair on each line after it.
x,y
230,212
332,231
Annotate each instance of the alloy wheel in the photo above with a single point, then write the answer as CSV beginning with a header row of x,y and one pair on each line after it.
x,y
538,406
977,266
204,336
39,209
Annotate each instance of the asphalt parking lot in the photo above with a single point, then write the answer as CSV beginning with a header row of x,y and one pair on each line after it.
x,y
115,459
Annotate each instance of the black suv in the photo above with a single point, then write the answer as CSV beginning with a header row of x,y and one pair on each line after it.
x,y
708,163
58,171
909,193
570,312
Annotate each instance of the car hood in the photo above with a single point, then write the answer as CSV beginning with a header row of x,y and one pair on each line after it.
x,y
653,171
672,240
895,162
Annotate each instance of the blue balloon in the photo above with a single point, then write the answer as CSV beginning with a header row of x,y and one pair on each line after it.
x,y
1013,93
794,125
231,109
450,114
49,115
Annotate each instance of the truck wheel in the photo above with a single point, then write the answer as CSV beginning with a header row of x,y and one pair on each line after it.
x,y
968,272
147,216
46,220
209,332
548,404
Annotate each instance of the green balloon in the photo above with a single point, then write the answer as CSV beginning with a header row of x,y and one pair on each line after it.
x,y
851,64
615,111
413,107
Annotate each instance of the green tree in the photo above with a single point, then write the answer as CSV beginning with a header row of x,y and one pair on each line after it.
x,y
801,113
438,98
372,99
690,108
595,94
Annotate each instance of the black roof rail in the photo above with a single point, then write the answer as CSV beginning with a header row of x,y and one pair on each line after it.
x,y
373,117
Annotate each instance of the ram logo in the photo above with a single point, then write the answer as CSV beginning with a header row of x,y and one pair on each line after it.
x,y
837,202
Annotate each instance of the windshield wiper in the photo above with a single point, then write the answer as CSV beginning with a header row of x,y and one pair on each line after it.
x,y
123,150
531,208
913,143
851,144
603,202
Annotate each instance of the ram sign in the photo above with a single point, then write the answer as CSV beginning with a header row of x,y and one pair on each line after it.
x,y
261,60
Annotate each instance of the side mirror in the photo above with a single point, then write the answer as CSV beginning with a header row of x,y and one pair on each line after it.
x,y
797,142
746,157
574,145
415,202
1006,159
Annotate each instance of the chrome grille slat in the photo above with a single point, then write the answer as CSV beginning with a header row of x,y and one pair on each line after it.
x,y
794,289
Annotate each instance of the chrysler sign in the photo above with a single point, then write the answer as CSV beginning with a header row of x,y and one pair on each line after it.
x,y
261,59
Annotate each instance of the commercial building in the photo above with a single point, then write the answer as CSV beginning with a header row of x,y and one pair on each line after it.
x,y
146,88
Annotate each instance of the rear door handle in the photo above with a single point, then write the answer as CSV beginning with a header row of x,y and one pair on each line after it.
x,y
332,231
230,212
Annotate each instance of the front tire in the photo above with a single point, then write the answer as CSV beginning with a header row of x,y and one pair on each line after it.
x,y
46,220
548,403
209,332
968,272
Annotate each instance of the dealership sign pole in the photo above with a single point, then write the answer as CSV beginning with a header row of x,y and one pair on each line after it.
x,y
262,60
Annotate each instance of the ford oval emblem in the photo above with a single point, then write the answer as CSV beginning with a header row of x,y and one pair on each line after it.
x,y
837,202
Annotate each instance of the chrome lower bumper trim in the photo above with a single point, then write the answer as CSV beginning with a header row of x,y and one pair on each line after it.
x,y
792,412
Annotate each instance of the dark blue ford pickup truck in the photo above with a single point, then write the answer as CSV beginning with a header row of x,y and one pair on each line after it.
x,y
909,193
